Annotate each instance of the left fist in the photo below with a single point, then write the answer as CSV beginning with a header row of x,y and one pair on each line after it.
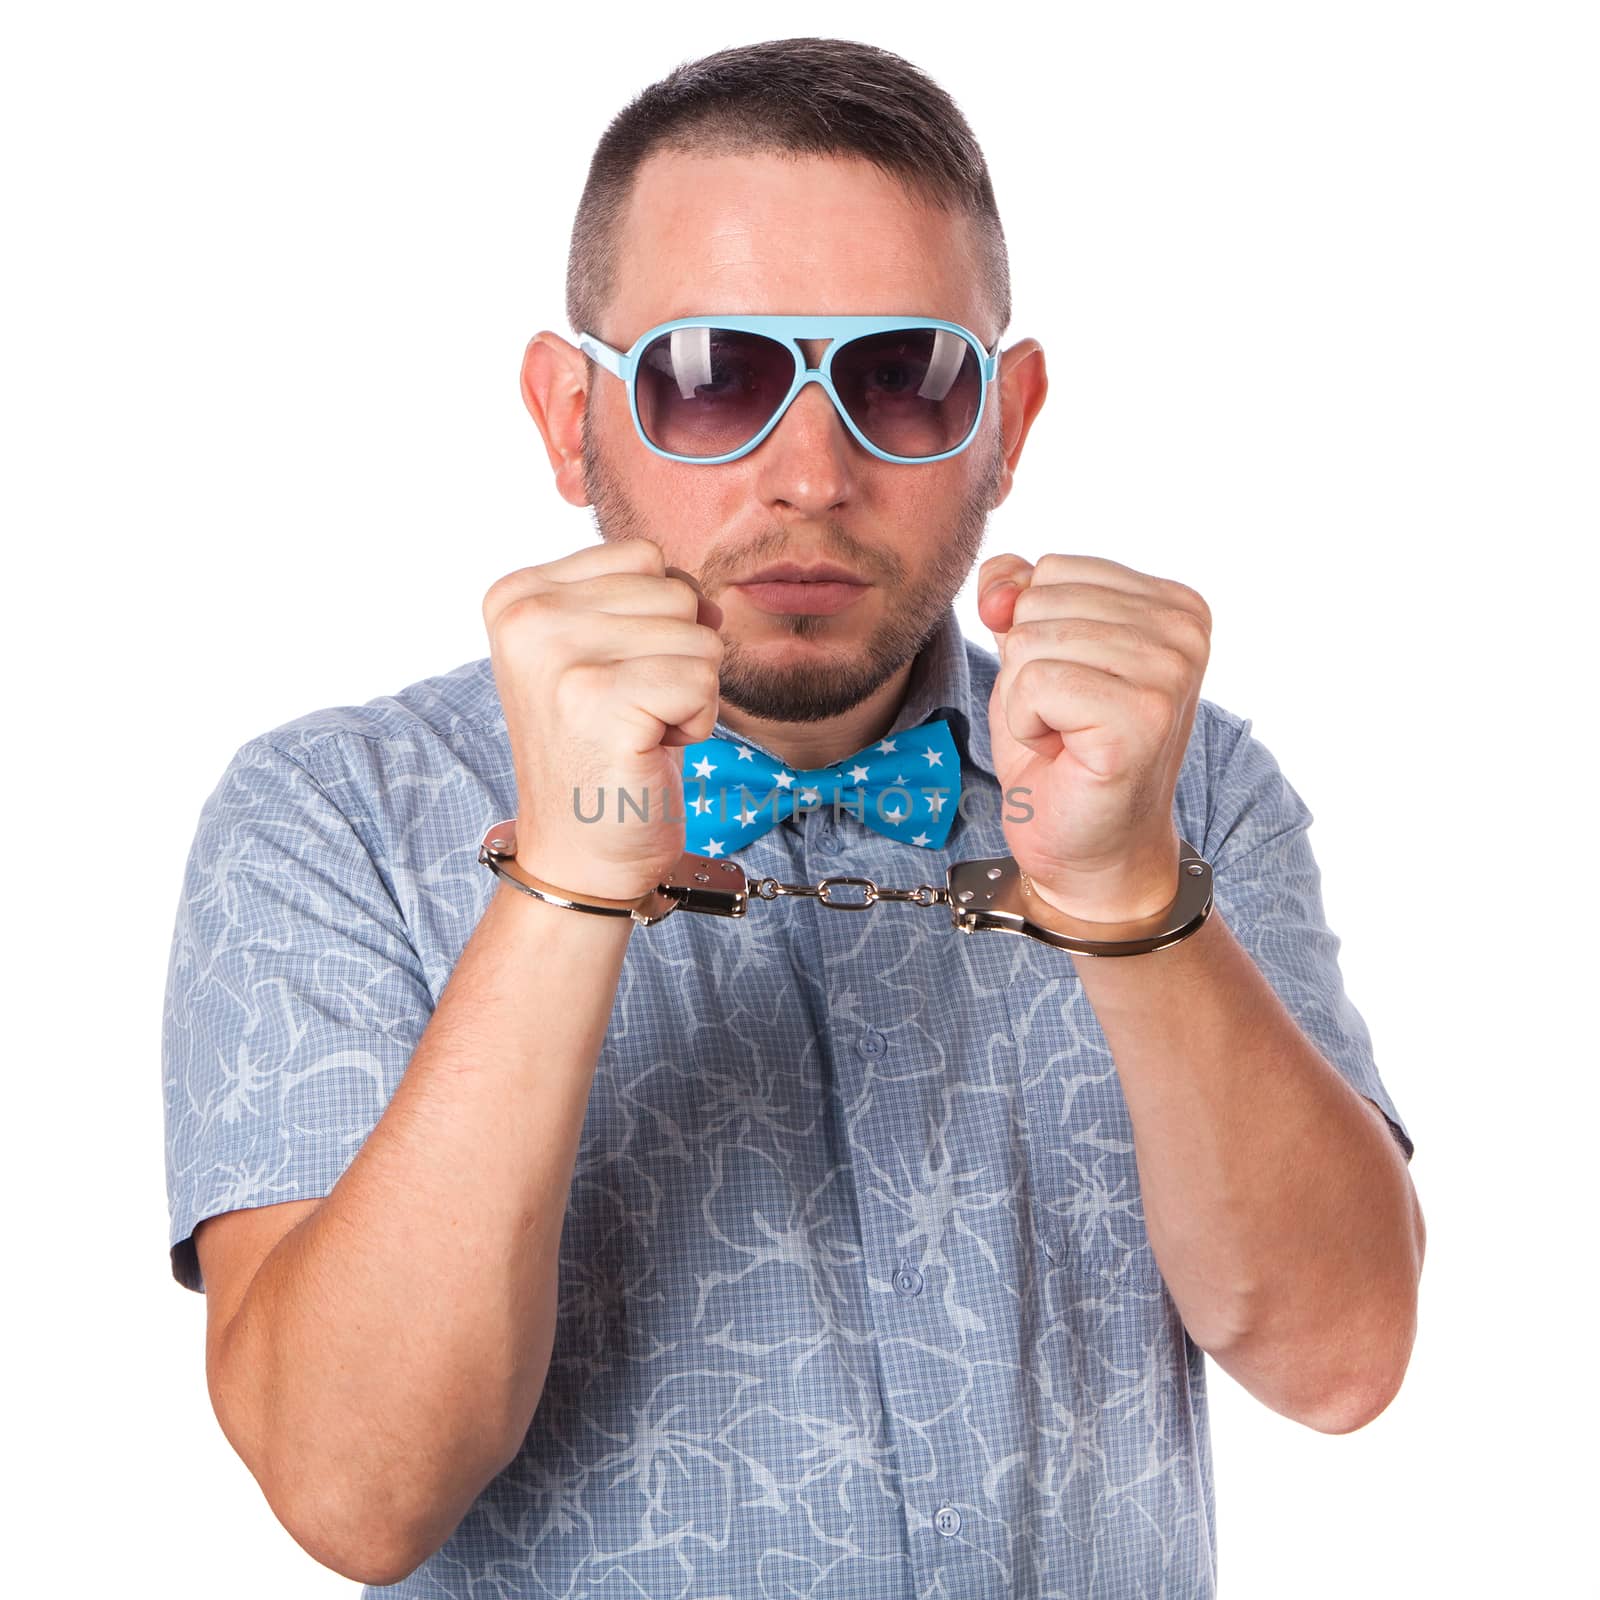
x,y
1100,670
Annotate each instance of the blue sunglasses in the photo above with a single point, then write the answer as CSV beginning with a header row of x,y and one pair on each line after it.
x,y
710,389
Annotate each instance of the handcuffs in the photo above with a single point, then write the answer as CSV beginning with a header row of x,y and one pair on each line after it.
x,y
987,895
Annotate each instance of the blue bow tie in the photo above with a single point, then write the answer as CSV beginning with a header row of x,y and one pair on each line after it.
x,y
733,794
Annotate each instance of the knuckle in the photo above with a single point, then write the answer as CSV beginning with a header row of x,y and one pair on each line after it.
x,y
1179,616
525,623
1176,662
527,608
639,554
689,675
575,690
1025,607
499,594
686,595
1192,601
1043,601
1157,710
1036,672
1182,624
1044,634
1021,637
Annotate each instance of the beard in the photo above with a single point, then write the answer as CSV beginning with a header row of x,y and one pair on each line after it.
x,y
820,690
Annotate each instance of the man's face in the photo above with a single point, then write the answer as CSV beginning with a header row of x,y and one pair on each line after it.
x,y
764,235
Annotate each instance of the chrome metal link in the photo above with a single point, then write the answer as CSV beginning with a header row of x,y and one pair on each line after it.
x,y
925,894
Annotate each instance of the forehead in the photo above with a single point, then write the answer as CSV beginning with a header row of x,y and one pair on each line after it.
x,y
781,235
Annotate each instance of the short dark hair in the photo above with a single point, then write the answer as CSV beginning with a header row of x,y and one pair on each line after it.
x,y
807,96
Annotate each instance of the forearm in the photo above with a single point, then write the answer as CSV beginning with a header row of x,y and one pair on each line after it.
x,y
390,1351
1278,1206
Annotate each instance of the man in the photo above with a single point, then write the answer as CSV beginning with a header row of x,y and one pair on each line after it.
x,y
551,1253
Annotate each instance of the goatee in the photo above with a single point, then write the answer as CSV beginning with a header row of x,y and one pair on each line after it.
x,y
850,673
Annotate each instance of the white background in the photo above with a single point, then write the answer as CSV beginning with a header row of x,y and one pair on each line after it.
x,y
1317,291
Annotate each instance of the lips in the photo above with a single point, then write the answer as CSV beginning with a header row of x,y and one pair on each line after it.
x,y
812,599
794,572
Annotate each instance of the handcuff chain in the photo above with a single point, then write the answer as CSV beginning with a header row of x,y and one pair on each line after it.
x,y
925,894
990,893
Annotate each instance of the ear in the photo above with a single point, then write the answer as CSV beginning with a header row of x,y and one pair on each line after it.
x,y
554,389
1023,384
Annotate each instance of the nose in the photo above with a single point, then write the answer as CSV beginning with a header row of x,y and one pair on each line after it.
x,y
812,422
805,462
812,350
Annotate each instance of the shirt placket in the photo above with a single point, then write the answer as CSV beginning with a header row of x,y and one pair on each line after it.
x,y
951,1550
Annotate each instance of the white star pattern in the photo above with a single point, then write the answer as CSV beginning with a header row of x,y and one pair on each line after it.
x,y
810,790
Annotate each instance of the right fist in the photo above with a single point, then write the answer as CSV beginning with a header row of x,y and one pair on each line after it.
x,y
607,663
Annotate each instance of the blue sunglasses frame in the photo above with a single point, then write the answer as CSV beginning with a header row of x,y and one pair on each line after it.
x,y
789,331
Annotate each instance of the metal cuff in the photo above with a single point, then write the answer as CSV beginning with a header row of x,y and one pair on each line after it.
x,y
992,895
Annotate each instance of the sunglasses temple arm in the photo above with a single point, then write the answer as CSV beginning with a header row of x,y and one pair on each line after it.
x,y
601,353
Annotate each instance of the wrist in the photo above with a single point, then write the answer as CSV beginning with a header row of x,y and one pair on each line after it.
x,y
577,876
562,922
1133,892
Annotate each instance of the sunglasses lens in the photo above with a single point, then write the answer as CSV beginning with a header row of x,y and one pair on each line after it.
x,y
913,392
705,391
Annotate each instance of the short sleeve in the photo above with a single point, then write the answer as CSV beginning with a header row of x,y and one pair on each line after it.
x,y
294,1000
1267,886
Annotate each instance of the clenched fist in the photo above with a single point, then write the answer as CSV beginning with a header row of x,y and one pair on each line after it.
x,y
607,662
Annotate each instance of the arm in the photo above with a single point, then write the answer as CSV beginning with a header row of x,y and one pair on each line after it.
x,y
376,1357
1279,1207
386,1358
1280,1213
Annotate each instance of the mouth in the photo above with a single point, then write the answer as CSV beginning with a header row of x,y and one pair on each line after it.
x,y
790,587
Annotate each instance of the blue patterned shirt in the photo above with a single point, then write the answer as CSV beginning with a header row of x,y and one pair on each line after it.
x,y
856,1296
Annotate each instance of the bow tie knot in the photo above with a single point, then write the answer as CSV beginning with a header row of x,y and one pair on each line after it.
x,y
906,786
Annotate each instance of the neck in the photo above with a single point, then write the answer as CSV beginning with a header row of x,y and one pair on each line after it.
x,y
820,744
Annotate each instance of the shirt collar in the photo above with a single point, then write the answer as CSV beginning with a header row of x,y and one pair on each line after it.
x,y
942,685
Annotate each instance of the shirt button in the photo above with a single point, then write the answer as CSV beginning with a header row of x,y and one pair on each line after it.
x,y
908,1281
872,1043
948,1521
